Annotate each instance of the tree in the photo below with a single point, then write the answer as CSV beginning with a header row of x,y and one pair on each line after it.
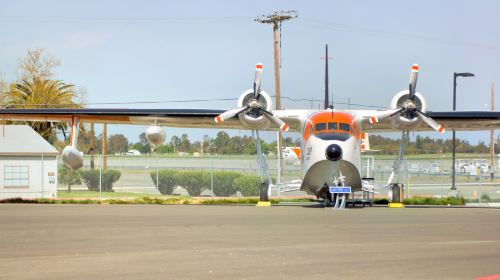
x,y
68,177
205,144
143,145
165,149
175,141
36,89
184,144
117,144
36,65
221,142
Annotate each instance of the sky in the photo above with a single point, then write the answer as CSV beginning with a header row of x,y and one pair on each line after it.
x,y
158,51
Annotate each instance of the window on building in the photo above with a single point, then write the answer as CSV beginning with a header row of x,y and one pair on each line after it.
x,y
16,176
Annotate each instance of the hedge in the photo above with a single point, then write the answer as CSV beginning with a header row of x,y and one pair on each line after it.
x,y
166,181
193,181
223,182
91,179
196,181
248,185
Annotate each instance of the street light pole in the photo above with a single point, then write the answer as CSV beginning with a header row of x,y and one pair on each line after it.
x,y
455,75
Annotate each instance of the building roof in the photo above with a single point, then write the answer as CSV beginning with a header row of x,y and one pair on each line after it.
x,y
23,140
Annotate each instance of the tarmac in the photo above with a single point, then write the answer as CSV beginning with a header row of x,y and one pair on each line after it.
x,y
246,242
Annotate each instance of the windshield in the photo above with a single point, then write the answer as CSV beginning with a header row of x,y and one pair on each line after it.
x,y
331,127
339,136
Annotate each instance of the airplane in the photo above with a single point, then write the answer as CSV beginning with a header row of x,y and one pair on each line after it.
x,y
331,139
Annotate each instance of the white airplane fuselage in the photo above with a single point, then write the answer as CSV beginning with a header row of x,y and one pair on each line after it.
x,y
331,148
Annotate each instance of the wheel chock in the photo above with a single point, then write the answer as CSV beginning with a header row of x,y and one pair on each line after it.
x,y
263,204
395,205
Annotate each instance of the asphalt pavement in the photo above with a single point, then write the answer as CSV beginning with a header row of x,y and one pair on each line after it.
x,y
246,242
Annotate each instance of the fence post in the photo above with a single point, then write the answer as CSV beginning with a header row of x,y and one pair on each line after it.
x,y
43,171
157,181
100,177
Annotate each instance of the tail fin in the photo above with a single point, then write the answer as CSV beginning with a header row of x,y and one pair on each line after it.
x,y
365,143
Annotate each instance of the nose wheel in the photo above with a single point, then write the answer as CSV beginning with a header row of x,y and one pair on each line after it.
x,y
336,200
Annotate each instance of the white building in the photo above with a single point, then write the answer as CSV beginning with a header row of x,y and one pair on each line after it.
x,y
28,164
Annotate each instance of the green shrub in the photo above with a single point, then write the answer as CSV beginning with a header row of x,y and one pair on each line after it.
x,y
91,179
166,181
192,180
485,197
223,182
452,200
68,177
381,201
247,185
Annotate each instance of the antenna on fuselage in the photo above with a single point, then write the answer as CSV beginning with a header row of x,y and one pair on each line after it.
x,y
327,102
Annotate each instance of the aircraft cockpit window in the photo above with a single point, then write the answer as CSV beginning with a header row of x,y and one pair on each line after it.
x,y
332,126
334,136
345,126
319,127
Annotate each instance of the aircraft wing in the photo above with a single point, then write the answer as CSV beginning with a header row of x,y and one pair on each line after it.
x,y
451,120
189,118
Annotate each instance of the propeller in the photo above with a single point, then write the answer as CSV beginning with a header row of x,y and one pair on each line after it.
x,y
413,81
409,108
281,124
256,81
254,107
432,123
229,114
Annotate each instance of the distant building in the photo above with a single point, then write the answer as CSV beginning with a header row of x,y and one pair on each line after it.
x,y
28,164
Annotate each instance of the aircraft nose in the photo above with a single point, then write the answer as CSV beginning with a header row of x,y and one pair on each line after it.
x,y
333,152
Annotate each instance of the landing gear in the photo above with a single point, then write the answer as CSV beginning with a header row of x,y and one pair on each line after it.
x,y
336,195
335,200
263,172
340,201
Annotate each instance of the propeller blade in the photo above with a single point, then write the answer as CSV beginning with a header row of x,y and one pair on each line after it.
x,y
413,81
389,113
229,114
281,124
256,80
432,123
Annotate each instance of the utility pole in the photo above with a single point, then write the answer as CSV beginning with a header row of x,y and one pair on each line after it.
x,y
275,19
492,131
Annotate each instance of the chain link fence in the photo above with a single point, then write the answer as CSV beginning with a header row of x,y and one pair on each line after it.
x,y
145,175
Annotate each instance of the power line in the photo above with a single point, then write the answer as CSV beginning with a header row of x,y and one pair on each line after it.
x,y
292,99
124,19
314,23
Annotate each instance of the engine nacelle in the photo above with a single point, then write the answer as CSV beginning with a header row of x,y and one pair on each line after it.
x,y
400,99
155,135
72,158
252,119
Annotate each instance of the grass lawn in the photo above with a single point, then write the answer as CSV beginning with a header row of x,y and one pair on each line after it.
x,y
89,194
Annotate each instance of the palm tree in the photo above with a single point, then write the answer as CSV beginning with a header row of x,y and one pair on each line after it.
x,y
42,93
